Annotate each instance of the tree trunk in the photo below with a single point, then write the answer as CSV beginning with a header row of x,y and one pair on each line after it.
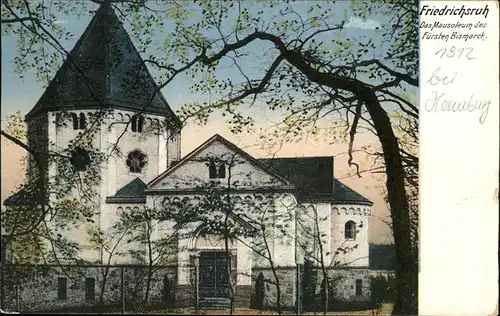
x,y
275,274
325,290
229,269
148,283
322,261
406,271
103,284
229,208
150,259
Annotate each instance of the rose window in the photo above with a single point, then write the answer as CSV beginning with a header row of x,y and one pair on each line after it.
x,y
136,161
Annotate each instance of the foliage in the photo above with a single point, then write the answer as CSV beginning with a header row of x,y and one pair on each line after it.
x,y
383,289
48,204
297,59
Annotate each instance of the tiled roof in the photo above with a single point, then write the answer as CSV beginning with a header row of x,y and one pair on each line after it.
x,y
109,73
314,180
312,176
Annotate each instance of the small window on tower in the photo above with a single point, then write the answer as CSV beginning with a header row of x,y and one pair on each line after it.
x,y
133,123
137,124
350,230
83,121
140,124
74,118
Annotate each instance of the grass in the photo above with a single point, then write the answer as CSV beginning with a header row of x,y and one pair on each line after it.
x,y
385,309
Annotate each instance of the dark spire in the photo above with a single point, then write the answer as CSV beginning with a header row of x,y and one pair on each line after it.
x,y
104,69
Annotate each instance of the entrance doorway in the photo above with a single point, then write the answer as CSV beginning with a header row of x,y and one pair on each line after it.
x,y
214,276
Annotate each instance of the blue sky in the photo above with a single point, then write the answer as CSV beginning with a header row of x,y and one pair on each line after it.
x,y
21,94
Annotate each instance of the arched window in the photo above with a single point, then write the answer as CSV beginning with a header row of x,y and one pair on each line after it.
x,y
222,170
83,121
137,123
74,117
216,171
350,230
133,123
58,120
212,170
136,161
140,124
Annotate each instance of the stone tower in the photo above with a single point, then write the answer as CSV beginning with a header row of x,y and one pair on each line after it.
x,y
105,92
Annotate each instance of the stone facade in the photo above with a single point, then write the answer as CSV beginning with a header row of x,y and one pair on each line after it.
x,y
287,279
242,295
297,191
185,295
345,283
37,288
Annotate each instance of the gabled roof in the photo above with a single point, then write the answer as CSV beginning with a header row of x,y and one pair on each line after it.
x,y
231,146
132,192
104,70
312,177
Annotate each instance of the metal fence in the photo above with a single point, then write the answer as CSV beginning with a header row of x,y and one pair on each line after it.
x,y
143,289
87,288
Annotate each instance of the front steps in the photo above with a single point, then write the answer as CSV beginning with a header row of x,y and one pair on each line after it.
x,y
215,302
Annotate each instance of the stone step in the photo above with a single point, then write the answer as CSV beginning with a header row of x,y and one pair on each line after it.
x,y
215,302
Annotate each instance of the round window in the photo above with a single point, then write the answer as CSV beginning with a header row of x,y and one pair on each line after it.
x,y
136,161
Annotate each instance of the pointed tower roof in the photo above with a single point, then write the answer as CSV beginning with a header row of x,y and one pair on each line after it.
x,y
104,69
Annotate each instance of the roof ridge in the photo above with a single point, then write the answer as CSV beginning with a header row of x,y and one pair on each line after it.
x,y
229,144
64,65
357,197
297,157
109,63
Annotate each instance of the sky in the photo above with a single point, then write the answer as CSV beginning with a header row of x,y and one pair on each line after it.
x,y
21,94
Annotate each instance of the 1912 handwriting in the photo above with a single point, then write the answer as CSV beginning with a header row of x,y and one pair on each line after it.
x,y
454,52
